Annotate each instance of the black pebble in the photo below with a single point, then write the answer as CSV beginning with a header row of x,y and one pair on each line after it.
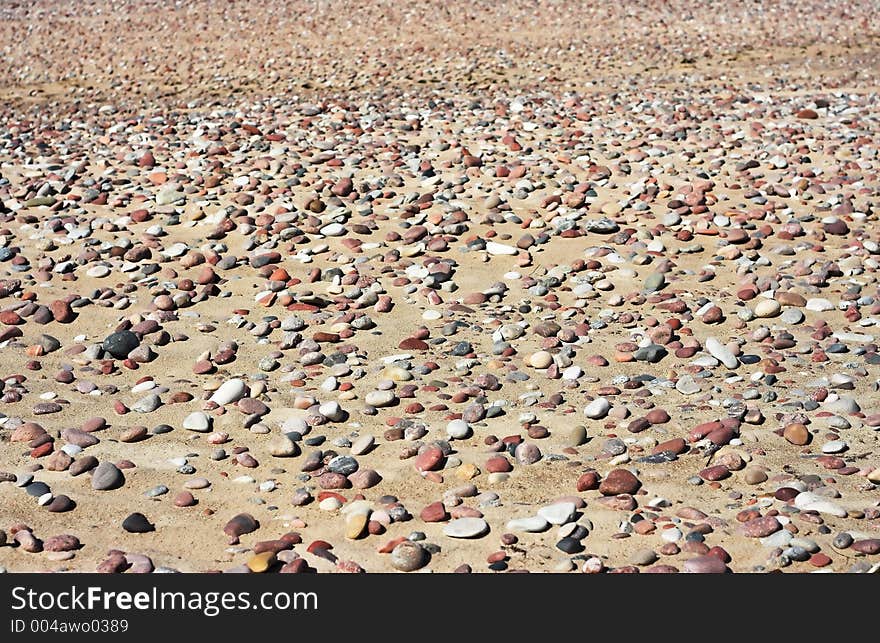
x,y
121,343
137,523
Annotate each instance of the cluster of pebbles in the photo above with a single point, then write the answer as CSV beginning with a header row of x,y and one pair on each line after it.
x,y
508,288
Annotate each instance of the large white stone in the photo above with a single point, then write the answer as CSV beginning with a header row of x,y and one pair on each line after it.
x,y
466,528
597,409
532,524
197,421
558,513
230,391
720,352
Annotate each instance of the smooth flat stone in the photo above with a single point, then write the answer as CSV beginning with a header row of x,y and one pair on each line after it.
x,y
808,501
466,528
495,248
558,513
834,446
533,524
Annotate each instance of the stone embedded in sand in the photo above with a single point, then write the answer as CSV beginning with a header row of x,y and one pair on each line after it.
x,y
259,563
184,499
753,475
362,445
364,479
527,453
558,513
356,525
619,481
495,248
107,476
868,546
413,344
654,282
687,385
434,512
575,436
818,305
79,438
717,472
26,432
808,501
62,312
82,464
532,524
28,542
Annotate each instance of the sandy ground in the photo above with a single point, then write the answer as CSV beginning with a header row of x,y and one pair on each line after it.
x,y
261,64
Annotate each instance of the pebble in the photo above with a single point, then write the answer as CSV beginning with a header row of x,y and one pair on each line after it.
x,y
808,501
281,446
532,524
466,269
619,481
408,556
720,352
137,523
120,344
704,565
198,421
796,434
458,429
107,476
466,528
558,513
597,409
228,392
765,308
540,359
240,525
380,399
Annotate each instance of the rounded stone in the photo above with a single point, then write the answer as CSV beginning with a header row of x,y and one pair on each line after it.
x,y
121,343
107,476
619,481
541,359
409,556
137,523
796,434
767,308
